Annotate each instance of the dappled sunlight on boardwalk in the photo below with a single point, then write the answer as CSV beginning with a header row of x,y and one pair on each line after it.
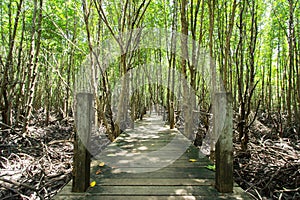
x,y
148,147
151,162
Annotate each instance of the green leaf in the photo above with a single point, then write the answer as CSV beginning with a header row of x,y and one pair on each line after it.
x,y
211,167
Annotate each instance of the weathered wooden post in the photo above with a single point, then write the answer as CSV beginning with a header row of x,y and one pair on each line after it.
x,y
82,159
84,122
224,146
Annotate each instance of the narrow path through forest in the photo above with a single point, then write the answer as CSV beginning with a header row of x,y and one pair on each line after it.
x,y
151,162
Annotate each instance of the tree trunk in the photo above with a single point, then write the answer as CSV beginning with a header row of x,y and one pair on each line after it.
x,y
33,61
184,50
291,60
211,9
6,106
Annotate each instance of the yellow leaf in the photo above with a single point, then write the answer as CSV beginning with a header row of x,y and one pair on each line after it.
x,y
101,164
98,172
93,183
192,160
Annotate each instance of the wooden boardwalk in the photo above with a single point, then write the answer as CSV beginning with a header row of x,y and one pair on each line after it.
x,y
151,162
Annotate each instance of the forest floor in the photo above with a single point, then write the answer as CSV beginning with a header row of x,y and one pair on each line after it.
x,y
39,164
36,165
271,167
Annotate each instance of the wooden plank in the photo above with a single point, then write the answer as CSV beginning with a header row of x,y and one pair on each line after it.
x,y
157,182
149,197
182,164
224,148
154,182
191,169
163,157
169,197
203,174
146,191
99,190
84,116
120,151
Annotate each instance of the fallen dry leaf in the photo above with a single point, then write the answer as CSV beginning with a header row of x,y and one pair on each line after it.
x,y
98,172
101,164
192,160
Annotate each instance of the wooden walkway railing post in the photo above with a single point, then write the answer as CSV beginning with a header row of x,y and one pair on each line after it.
x,y
81,163
224,146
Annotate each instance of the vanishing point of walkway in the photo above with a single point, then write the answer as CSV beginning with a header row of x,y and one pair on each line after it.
x,y
151,162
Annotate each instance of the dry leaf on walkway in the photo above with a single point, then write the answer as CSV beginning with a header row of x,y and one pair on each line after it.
x,y
98,172
192,160
101,164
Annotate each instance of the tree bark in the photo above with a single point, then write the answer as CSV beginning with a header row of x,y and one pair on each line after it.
x,y
33,61
6,104
184,50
